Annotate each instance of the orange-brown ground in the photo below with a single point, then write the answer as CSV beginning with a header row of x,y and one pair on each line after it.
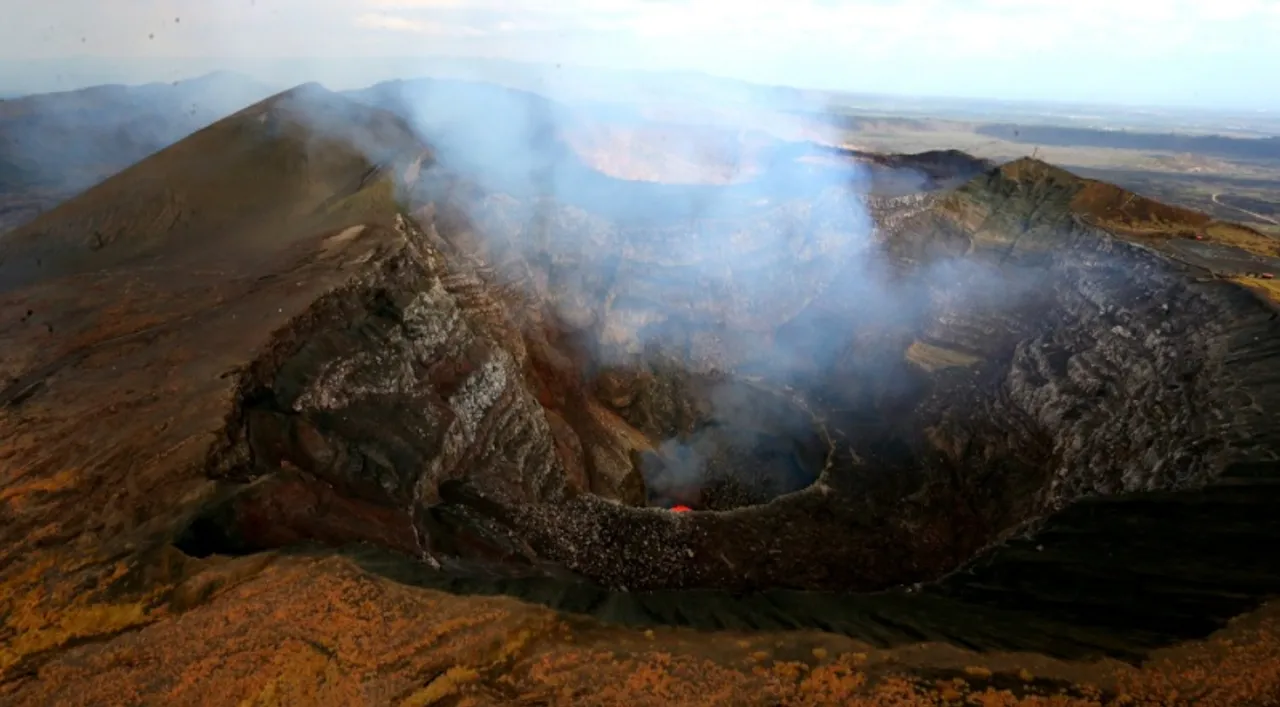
x,y
274,630
1124,212
1267,288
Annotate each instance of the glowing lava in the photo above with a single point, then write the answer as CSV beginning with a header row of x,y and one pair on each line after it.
x,y
680,509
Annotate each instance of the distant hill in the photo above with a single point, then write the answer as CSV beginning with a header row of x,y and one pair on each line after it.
x,y
54,145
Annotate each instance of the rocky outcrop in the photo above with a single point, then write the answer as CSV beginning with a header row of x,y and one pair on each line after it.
x,y
409,376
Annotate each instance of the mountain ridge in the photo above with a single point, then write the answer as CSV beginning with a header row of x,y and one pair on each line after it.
x,y
55,145
271,163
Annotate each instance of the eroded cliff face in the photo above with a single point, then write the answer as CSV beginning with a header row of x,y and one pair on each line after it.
x,y
386,387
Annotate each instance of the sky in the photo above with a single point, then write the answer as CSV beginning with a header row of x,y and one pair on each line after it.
x,y
1203,53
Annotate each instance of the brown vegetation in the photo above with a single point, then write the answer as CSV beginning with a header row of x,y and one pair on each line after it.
x,y
312,631
1121,208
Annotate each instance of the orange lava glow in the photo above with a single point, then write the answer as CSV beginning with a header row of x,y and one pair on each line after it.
x,y
680,509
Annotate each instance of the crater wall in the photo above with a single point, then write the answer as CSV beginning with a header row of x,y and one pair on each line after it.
x,y
1046,385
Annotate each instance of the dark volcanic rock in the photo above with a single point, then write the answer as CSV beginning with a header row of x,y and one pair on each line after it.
x,y
401,380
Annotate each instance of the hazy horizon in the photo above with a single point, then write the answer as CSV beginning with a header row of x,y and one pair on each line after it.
x,y
1177,54
52,75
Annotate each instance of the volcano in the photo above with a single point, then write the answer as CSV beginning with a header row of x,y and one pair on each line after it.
x,y
308,363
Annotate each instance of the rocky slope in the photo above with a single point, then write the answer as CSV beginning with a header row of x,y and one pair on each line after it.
x,y
332,378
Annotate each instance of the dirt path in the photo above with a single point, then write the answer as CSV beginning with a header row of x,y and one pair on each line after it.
x,y
1260,217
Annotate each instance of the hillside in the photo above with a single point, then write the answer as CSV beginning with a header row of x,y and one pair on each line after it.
x,y
54,145
300,410
1222,249
292,164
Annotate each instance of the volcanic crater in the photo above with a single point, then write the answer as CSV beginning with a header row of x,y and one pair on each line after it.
x,y
894,407
852,389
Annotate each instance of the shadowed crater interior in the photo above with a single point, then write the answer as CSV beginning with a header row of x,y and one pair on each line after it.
x,y
750,447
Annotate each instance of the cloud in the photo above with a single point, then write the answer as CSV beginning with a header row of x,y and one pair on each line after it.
x,y
867,28
373,20
858,28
